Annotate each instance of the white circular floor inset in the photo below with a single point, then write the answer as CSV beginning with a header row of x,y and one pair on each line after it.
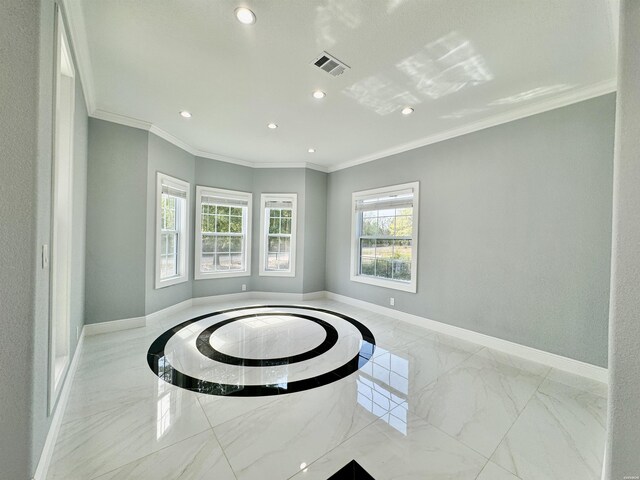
x,y
268,336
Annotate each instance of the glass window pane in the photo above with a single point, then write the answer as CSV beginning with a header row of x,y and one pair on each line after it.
x,y
206,262
273,213
286,213
237,261
368,266
272,261
208,244
367,247
285,244
283,261
273,244
286,226
402,250
383,267
236,211
223,261
236,244
402,271
222,210
370,227
236,224
403,226
222,223
384,248
223,244
385,226
274,225
163,243
208,223
370,214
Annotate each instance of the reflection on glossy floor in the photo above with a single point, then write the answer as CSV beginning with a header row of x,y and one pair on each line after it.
x,y
425,406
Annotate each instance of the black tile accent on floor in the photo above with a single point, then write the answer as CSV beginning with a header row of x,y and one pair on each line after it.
x,y
351,471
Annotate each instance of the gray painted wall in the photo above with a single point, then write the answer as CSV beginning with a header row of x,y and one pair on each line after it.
x,y
116,222
515,227
623,441
166,158
315,231
18,127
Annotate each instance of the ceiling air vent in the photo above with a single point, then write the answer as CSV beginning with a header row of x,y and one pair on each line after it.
x,y
330,64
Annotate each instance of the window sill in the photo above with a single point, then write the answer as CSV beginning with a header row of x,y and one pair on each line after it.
x,y
213,276
266,273
170,281
391,284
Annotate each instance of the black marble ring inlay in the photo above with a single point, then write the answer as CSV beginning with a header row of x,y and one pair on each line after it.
x,y
203,343
161,366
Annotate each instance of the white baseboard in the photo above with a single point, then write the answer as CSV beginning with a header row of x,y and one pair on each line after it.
x,y
169,310
56,421
115,325
570,365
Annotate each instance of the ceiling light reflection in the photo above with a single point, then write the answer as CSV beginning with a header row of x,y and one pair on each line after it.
x,y
531,94
445,66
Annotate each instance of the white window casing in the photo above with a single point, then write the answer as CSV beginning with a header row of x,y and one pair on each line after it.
x,y
278,227
172,231
384,236
223,233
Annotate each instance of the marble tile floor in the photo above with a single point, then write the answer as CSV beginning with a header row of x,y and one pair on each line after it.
x,y
425,406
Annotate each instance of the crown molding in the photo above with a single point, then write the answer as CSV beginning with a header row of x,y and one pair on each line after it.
x,y
572,97
149,127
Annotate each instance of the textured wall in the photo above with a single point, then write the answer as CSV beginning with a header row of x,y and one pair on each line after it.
x,y
515,225
166,158
116,222
18,127
623,440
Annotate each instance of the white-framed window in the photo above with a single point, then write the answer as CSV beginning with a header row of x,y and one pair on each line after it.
x,y
172,230
223,238
278,238
384,249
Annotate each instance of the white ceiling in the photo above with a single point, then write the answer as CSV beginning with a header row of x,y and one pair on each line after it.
x,y
461,64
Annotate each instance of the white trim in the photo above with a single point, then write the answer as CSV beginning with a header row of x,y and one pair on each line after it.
x,y
115,325
183,231
264,234
559,362
56,420
152,317
570,98
247,227
77,33
410,286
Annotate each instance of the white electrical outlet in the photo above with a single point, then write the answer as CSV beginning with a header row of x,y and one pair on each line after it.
x,y
244,287
45,256
392,301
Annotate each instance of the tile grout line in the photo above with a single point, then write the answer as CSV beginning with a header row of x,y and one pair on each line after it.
x,y
213,432
518,417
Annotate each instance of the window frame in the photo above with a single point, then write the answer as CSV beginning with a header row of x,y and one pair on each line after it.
x,y
355,276
183,231
264,236
201,191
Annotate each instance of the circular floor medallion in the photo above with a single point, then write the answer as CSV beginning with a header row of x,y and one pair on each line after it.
x,y
161,366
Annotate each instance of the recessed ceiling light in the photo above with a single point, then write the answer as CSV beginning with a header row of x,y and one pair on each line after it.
x,y
312,150
319,94
246,16
407,111
185,114
272,126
